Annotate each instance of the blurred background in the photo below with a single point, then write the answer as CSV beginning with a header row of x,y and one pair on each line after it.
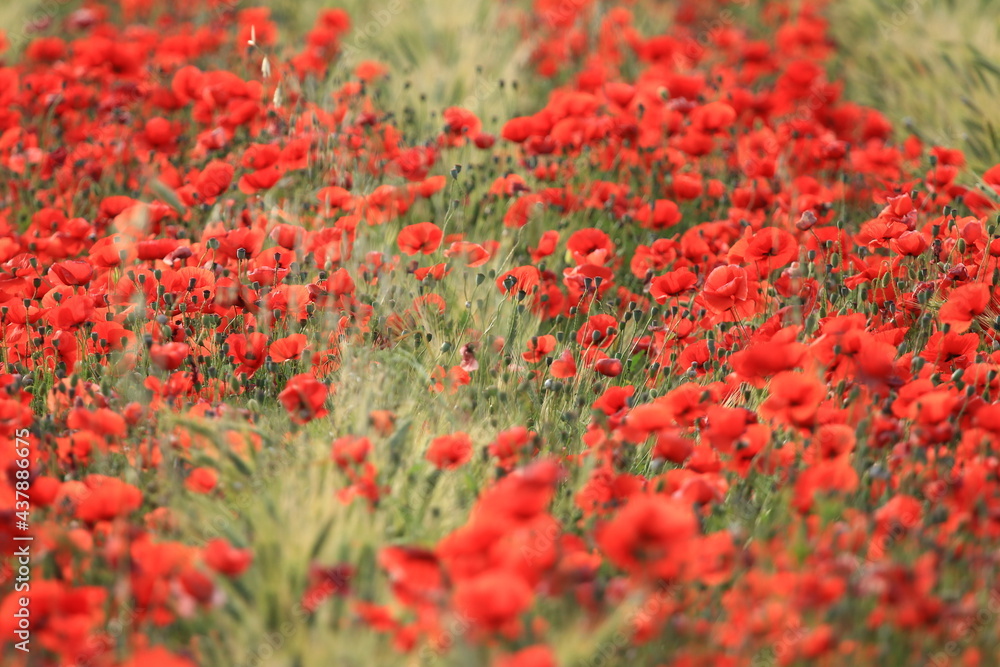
x,y
931,66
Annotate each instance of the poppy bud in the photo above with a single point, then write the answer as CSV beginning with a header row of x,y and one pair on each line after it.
x,y
806,221
609,367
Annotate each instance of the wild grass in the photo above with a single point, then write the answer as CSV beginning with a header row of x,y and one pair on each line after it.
x,y
938,67
448,52
931,66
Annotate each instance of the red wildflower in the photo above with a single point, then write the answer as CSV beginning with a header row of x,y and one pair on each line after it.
x,y
289,347
225,559
350,449
251,351
107,498
511,444
564,366
423,237
415,574
539,347
532,656
213,180
493,601
772,248
729,289
598,331
672,285
963,305
169,356
303,397
521,279
202,480
794,399
448,452
648,532
609,367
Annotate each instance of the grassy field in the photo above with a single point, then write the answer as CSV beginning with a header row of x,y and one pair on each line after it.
x,y
931,66
934,68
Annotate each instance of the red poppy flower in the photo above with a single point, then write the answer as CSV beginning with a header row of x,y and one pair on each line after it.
x,y
202,480
728,289
423,237
72,272
648,531
518,130
472,253
590,246
794,399
112,251
546,246
324,582
672,284
251,351
660,214
564,366
461,122
772,248
214,179
225,559
448,452
416,574
521,279
169,356
510,444
835,439
538,348
156,248
350,449
522,209
598,331
836,475
910,243
242,243
108,498
672,446
493,601
262,179
965,304
609,367
532,656
289,347
304,397
713,117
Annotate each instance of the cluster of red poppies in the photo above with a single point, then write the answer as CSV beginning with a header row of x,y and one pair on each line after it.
x,y
788,321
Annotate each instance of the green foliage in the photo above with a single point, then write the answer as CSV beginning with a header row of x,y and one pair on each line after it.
x,y
932,66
